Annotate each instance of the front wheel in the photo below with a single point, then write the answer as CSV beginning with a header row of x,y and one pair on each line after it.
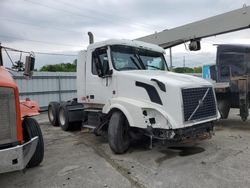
x,y
118,133
32,129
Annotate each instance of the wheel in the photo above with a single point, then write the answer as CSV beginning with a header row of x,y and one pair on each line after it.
x,y
32,129
244,111
118,133
244,118
224,108
53,110
63,118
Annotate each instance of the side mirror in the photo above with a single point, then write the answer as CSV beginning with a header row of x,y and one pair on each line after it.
x,y
29,66
194,45
98,67
105,66
110,72
106,70
102,68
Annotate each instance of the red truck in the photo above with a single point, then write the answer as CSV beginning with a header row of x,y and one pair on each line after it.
x,y
21,140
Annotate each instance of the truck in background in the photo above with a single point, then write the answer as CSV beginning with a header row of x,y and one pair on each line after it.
x,y
231,78
124,88
21,140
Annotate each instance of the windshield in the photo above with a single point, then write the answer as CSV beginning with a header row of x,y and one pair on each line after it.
x,y
131,58
232,64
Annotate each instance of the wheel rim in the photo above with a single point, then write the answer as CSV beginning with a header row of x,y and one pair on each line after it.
x,y
62,117
51,116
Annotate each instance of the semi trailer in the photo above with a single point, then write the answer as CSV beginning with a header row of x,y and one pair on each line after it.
x,y
21,140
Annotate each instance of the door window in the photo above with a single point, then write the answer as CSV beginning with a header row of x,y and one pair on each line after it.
x,y
100,56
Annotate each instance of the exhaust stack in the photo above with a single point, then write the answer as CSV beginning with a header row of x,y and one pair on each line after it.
x,y
91,38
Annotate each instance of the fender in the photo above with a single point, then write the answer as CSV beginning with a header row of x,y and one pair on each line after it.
x,y
29,108
133,110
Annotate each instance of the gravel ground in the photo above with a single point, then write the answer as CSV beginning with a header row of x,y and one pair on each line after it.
x,y
80,159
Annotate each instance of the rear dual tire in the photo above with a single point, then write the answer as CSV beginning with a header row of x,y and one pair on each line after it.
x,y
58,115
63,118
64,121
53,110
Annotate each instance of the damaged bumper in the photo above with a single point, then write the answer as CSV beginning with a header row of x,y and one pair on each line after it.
x,y
187,134
17,158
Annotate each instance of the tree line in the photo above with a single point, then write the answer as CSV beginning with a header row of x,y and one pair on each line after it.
x,y
188,70
61,67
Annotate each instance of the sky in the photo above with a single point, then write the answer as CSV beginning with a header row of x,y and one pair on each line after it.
x,y
61,26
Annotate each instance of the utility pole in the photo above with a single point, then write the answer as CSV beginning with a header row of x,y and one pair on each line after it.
x,y
170,59
184,62
1,56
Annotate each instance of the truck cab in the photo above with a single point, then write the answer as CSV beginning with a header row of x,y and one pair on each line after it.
x,y
125,87
21,141
231,79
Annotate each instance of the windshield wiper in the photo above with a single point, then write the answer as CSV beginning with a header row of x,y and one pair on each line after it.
x,y
154,67
140,61
133,60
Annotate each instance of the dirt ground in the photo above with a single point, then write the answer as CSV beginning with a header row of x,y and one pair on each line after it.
x,y
80,159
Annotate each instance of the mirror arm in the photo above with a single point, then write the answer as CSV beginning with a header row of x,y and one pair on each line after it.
x,y
110,72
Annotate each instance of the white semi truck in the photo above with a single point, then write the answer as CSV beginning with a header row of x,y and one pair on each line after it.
x,y
124,88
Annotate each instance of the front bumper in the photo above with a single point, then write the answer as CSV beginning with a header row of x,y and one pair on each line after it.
x,y
187,134
17,158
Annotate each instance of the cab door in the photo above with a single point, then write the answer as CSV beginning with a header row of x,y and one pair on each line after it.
x,y
99,85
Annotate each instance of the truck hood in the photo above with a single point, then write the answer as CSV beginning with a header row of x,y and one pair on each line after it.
x,y
168,78
6,79
169,99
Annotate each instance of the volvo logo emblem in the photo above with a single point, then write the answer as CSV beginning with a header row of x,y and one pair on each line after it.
x,y
201,102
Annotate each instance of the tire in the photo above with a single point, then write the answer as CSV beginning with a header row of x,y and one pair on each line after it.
x,y
63,118
53,110
224,108
32,129
118,133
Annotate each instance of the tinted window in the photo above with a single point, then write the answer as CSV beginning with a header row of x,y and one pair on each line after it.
x,y
235,63
101,56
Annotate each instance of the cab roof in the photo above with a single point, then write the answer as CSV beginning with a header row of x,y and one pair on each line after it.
x,y
241,48
133,43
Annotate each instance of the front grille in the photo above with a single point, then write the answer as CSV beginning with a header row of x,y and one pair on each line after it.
x,y
7,116
194,107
